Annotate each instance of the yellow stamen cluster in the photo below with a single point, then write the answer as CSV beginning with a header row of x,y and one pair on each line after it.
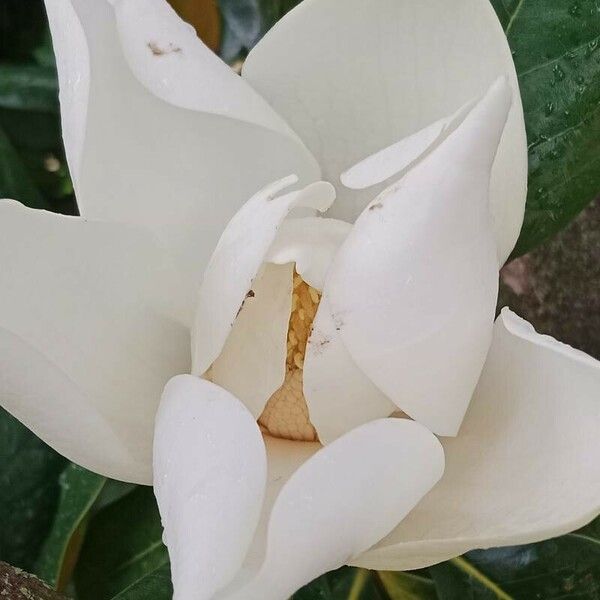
x,y
286,413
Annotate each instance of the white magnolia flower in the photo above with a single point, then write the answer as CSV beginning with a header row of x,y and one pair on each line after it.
x,y
320,331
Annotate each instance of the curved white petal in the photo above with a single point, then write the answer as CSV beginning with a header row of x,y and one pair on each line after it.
x,y
284,458
413,288
338,394
73,63
341,500
251,364
86,342
173,139
525,465
402,155
237,259
310,243
166,56
209,479
404,65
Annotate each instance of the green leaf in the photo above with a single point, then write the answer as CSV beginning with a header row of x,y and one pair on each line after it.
x,y
563,568
156,585
29,472
16,584
407,586
123,548
354,584
15,181
79,491
555,46
346,583
29,87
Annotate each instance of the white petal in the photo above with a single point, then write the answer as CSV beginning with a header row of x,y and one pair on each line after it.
x,y
151,30
237,259
402,155
173,140
87,343
70,49
338,394
210,474
252,363
310,243
413,288
284,457
525,466
343,499
404,65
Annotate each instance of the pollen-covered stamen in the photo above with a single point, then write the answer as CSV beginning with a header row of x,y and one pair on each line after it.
x,y
286,413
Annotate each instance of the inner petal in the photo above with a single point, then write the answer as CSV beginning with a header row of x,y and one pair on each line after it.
x,y
286,413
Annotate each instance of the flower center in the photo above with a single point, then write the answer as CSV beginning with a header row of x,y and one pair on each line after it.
x,y
286,413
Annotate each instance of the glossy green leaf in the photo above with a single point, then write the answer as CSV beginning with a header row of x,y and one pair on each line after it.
x,y
29,472
407,586
565,568
555,46
79,489
346,583
15,180
354,584
28,87
123,548
155,584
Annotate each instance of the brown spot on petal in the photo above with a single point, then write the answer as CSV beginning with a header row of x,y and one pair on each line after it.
x,y
159,51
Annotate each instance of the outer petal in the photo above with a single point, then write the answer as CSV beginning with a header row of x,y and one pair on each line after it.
x,y
342,499
392,67
413,288
338,394
210,474
85,343
238,258
525,466
173,139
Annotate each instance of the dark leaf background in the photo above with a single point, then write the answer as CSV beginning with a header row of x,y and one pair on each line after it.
x,y
97,539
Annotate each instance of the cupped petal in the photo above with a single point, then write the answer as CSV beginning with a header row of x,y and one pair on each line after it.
x,y
338,394
251,364
413,288
209,479
525,465
403,66
88,336
159,131
310,243
341,500
238,258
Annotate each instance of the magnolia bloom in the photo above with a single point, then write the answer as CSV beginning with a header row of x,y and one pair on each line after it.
x,y
346,397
